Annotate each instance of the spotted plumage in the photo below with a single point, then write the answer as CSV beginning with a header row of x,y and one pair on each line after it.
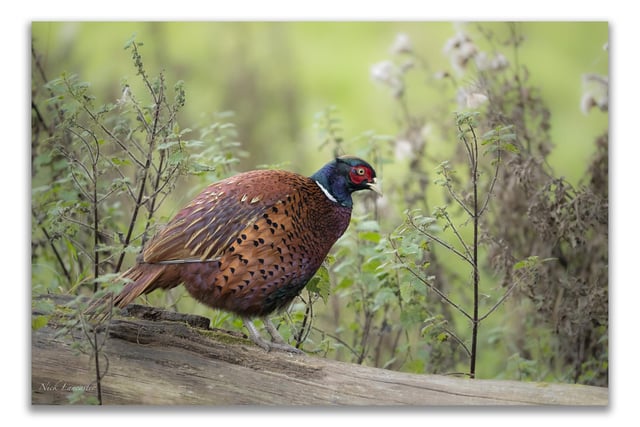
x,y
250,243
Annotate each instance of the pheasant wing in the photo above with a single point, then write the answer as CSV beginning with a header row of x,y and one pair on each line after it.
x,y
212,221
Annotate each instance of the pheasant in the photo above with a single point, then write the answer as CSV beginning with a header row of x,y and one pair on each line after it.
x,y
250,243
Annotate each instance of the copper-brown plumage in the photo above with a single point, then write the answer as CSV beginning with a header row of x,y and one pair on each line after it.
x,y
250,243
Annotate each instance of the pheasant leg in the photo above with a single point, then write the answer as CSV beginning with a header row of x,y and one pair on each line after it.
x,y
277,343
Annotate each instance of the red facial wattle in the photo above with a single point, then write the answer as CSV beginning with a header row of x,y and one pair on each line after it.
x,y
360,174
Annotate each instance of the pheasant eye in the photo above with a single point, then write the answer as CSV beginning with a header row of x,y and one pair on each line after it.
x,y
360,174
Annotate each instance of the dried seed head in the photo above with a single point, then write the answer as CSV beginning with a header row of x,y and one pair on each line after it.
x,y
388,74
401,44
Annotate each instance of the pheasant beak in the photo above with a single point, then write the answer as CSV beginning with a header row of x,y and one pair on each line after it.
x,y
372,186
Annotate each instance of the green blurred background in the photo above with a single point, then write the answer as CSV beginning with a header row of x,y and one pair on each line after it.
x,y
276,76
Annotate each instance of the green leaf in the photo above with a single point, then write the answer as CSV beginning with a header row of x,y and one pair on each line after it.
x,y
129,42
442,337
511,148
120,162
39,322
369,225
345,283
168,144
44,305
370,236
370,265
320,283
382,297
526,263
406,291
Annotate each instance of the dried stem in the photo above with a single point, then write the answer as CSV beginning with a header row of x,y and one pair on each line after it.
x,y
145,173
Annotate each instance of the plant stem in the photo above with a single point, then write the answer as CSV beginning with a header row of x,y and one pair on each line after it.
x,y
145,174
53,247
96,354
476,275
96,227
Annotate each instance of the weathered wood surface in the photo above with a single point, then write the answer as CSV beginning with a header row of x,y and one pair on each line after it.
x,y
166,358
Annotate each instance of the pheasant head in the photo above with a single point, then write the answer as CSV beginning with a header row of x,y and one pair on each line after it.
x,y
343,176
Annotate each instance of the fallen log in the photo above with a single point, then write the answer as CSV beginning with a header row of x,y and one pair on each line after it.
x,y
156,357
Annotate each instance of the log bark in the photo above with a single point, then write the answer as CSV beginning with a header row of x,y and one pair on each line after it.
x,y
156,357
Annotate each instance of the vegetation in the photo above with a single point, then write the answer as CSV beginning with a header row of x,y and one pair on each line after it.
x,y
480,260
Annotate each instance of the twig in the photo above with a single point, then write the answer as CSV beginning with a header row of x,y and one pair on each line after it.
x,y
499,302
441,242
458,340
53,247
455,231
490,190
336,338
433,288
457,199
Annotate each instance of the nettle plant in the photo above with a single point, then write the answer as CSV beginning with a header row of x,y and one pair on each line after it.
x,y
401,316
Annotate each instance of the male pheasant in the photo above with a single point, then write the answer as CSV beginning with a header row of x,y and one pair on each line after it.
x,y
250,243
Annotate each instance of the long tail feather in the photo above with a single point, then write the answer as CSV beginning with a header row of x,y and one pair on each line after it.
x,y
143,278
146,278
